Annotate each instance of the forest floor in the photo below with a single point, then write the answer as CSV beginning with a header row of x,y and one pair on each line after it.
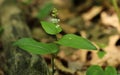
x,y
94,20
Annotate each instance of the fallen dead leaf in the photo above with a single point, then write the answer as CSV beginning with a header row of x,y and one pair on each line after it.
x,y
68,29
1,72
92,13
62,68
110,20
62,3
65,14
112,56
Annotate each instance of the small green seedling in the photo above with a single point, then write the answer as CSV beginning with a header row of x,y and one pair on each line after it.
x,y
69,40
53,28
101,54
97,70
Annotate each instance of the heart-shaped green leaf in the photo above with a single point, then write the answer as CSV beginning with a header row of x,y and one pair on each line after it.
x,y
95,70
35,47
51,28
75,41
109,70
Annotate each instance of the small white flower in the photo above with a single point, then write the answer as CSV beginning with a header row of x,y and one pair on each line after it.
x,y
58,20
57,26
55,20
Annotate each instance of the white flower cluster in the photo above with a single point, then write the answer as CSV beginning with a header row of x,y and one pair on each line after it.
x,y
55,20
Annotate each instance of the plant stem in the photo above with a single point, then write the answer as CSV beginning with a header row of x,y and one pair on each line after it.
x,y
116,8
52,63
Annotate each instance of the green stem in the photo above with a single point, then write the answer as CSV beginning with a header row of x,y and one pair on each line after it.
x,y
116,8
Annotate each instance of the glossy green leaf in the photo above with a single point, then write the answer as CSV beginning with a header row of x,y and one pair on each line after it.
x,y
35,47
75,41
45,11
51,28
109,70
95,70
101,54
